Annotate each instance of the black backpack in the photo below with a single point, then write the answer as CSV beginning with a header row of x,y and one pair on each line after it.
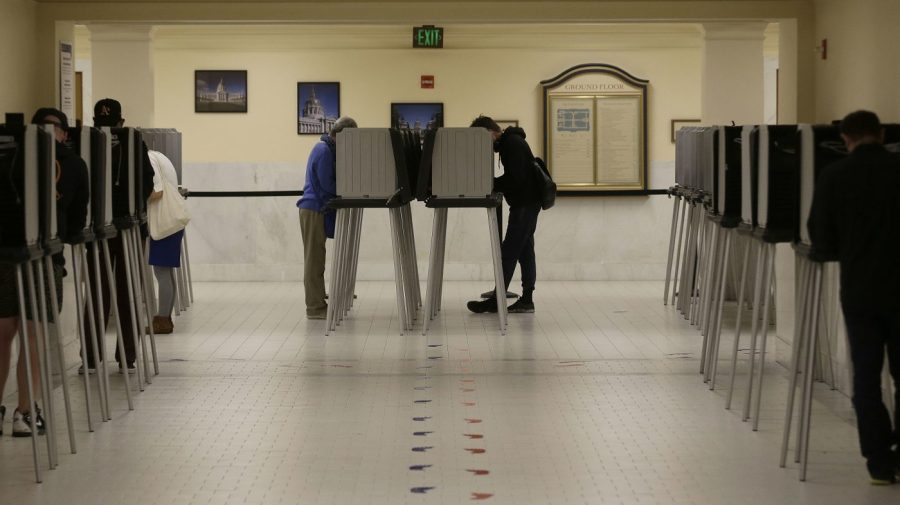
x,y
545,184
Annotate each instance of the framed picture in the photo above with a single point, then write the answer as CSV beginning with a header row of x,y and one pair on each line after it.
x,y
417,116
318,107
220,91
506,123
677,124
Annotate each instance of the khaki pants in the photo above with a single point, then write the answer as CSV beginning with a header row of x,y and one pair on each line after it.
x,y
312,230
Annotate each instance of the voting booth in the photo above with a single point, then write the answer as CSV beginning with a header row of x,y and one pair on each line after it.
x,y
372,172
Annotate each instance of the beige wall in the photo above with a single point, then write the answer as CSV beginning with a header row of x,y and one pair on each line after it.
x,y
863,65
374,67
18,34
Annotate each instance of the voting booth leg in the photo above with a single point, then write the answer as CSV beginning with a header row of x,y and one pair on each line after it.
x,y
432,271
146,282
407,260
801,325
186,265
103,371
355,264
25,347
439,294
132,307
40,325
682,220
690,266
142,306
97,335
676,205
414,264
114,306
742,290
684,237
332,305
60,356
398,283
80,321
500,285
769,250
757,302
812,341
706,294
147,272
720,306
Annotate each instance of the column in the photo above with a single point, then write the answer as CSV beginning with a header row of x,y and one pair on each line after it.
x,y
732,76
122,63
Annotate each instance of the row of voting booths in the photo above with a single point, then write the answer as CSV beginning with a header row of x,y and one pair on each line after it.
x,y
380,168
739,191
29,239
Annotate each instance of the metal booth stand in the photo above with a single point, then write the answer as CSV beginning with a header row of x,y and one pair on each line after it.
x,y
461,176
372,173
27,240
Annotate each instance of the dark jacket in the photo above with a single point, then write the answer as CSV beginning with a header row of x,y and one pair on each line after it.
x,y
321,182
855,219
517,183
73,193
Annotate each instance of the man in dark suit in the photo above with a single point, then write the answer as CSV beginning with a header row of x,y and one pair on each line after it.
x,y
855,220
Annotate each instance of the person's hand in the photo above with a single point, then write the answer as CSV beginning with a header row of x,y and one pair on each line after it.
x,y
155,196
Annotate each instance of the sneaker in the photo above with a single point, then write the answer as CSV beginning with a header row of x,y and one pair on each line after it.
x,y
482,306
163,325
521,307
131,369
493,294
2,415
22,423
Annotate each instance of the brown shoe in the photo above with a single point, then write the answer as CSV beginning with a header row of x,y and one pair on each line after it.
x,y
163,325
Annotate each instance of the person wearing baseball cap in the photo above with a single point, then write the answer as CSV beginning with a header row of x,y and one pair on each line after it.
x,y
108,112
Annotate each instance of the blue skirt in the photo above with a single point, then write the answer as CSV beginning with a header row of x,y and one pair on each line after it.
x,y
167,251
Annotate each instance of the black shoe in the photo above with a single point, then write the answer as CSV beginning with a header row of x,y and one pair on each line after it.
x,y
882,478
521,307
131,369
883,473
480,307
493,294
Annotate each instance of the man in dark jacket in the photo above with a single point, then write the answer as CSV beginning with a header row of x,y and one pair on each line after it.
x,y
522,193
316,219
108,112
855,220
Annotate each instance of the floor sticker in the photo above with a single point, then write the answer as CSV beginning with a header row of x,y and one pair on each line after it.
x,y
423,401
421,418
475,450
419,468
478,472
421,490
422,433
423,449
473,421
481,496
474,436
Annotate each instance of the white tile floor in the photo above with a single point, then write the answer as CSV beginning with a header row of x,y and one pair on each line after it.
x,y
595,399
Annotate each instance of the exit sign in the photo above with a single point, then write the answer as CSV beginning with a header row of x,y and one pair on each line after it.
x,y
428,36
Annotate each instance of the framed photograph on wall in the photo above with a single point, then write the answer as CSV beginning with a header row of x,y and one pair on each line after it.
x,y
417,116
506,123
318,107
220,91
677,124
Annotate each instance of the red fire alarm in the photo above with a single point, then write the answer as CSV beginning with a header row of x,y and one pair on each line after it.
x,y
427,81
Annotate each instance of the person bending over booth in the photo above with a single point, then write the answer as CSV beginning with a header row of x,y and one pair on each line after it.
x,y
72,197
316,219
522,193
855,220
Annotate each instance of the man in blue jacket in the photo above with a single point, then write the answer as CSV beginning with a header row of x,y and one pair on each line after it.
x,y
316,220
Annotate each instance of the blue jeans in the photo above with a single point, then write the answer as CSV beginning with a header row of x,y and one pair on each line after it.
x,y
518,246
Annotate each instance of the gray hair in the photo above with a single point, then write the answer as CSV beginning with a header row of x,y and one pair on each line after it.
x,y
341,123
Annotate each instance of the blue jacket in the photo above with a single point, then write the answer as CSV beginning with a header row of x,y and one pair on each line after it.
x,y
320,186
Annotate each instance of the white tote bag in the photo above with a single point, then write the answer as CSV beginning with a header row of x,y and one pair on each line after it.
x,y
169,214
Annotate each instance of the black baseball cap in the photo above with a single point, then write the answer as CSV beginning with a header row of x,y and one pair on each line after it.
x,y
49,115
108,112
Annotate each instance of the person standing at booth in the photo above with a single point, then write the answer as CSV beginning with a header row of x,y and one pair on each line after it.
x,y
108,112
855,219
522,193
316,220
72,197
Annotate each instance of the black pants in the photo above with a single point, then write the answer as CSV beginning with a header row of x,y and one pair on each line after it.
x,y
117,260
870,333
518,246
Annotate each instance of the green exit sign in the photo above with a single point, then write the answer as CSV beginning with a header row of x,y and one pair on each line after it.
x,y
428,36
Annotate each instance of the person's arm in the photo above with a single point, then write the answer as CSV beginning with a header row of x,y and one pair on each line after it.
x,y
517,159
822,223
73,195
147,175
325,174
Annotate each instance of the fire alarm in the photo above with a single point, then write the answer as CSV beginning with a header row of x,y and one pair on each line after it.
x,y
427,81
